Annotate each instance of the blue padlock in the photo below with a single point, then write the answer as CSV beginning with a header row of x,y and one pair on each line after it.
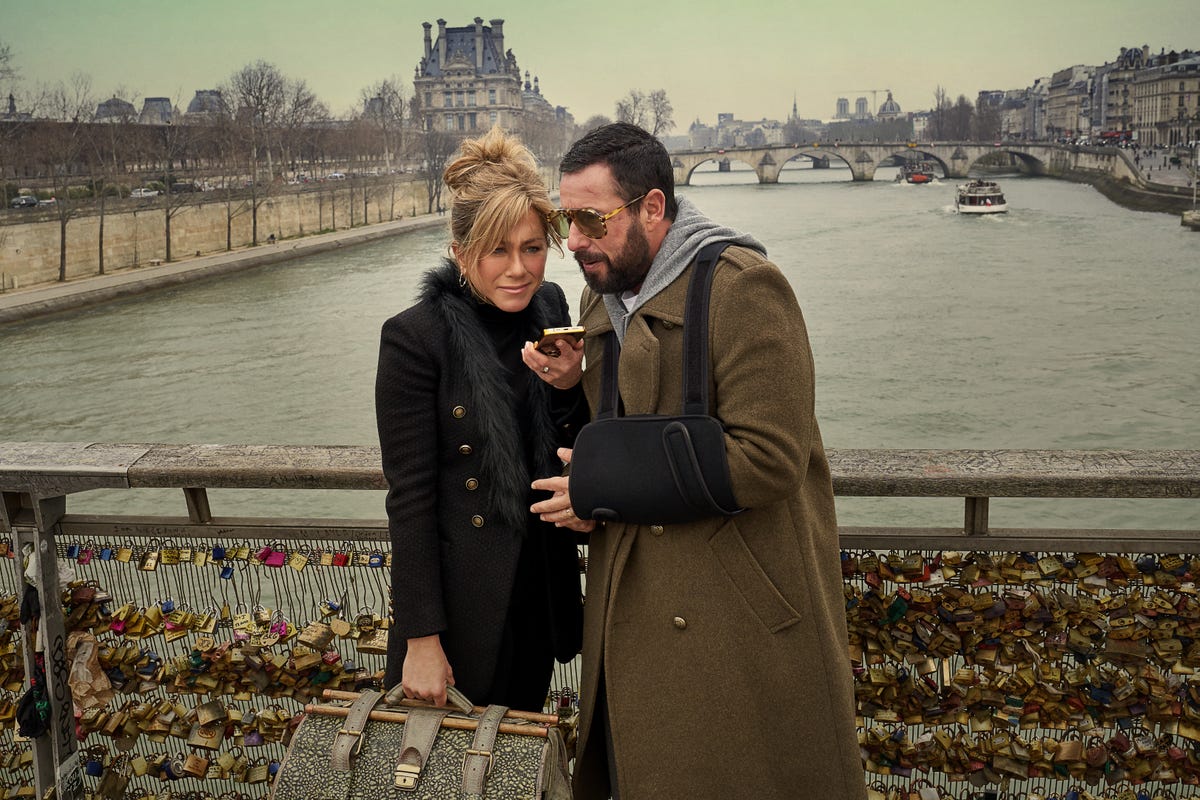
x,y
218,553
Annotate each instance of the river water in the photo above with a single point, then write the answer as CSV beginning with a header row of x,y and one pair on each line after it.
x,y
1067,323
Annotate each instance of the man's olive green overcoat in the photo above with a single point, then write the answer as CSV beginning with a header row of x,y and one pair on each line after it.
x,y
724,641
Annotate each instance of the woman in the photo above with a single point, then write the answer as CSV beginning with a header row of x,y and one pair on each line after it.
x,y
485,596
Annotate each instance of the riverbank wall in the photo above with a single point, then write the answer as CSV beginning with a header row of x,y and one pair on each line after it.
x,y
1116,176
135,230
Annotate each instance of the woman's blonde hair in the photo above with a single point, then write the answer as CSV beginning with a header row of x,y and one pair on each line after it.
x,y
493,184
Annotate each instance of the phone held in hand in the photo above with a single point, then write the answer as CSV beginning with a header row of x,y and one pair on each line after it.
x,y
551,335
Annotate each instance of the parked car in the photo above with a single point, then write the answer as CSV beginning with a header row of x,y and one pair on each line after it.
x,y
180,187
336,176
25,201
144,193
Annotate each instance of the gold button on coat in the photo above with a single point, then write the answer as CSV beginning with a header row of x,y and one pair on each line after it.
x,y
477,521
472,484
465,449
459,412
680,623
657,530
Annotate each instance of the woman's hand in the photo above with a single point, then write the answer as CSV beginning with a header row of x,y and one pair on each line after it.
x,y
558,508
426,670
562,371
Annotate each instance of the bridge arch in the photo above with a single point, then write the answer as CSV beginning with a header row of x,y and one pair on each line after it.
x,y
954,158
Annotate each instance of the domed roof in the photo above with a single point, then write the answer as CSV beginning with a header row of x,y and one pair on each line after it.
x,y
889,106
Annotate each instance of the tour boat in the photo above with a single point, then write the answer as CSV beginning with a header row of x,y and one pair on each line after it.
x,y
913,171
980,197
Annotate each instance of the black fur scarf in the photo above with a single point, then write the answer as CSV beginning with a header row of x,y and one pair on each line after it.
x,y
484,382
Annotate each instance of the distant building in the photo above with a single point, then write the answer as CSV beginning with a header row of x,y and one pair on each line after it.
x,y
1069,103
116,110
843,109
156,111
466,82
890,110
1166,99
1112,91
206,102
861,109
11,114
701,136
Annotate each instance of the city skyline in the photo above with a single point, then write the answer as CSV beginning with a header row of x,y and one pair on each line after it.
x,y
749,60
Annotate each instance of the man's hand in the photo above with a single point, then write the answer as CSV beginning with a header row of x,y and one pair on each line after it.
x,y
558,508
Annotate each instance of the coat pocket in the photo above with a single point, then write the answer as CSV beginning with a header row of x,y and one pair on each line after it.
x,y
743,569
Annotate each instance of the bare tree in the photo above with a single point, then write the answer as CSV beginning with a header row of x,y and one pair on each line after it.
x,y
384,109
64,150
259,94
438,146
662,120
176,142
652,112
593,122
940,116
634,109
112,142
962,115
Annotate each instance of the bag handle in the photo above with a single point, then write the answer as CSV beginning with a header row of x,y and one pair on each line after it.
x,y
695,342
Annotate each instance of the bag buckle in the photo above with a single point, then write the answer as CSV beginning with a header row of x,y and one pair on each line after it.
x,y
406,777
357,739
483,754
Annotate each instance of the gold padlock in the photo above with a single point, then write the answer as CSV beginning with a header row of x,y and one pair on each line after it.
x,y
149,561
195,765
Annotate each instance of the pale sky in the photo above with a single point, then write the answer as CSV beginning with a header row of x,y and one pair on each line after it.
x,y
745,57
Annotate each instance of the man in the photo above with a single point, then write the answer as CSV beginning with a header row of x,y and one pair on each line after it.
x,y
715,660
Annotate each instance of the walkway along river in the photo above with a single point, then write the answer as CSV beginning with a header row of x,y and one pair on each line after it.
x,y
1068,323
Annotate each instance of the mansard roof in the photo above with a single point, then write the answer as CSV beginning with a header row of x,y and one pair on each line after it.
x,y
460,51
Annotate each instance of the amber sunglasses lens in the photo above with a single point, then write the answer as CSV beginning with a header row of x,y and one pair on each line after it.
x,y
590,223
560,223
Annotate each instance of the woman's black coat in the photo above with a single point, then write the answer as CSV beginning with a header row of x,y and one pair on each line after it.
x,y
455,462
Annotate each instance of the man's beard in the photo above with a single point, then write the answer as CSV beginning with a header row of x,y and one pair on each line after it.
x,y
626,271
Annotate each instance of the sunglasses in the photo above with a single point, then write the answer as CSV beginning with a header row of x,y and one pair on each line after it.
x,y
591,223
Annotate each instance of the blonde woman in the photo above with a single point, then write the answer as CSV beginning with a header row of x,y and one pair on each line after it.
x,y
485,596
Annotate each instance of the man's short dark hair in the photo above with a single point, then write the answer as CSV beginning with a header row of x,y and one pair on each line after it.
x,y
639,162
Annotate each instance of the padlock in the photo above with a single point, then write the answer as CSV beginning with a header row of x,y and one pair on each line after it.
x,y
195,765
211,712
298,561
277,558
149,561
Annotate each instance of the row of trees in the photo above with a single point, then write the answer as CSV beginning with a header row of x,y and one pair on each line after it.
x,y
268,130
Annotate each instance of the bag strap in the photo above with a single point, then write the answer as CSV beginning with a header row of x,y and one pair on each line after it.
x,y
348,740
478,760
695,330
420,730
695,342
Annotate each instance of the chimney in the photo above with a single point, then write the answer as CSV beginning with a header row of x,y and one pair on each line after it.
x,y
428,41
478,44
498,38
441,43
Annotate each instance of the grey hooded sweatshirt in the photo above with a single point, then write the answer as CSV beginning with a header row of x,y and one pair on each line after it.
x,y
690,231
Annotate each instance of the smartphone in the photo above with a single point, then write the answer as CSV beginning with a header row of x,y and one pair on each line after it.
x,y
551,335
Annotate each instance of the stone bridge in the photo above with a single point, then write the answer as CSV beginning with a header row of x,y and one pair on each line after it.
x,y
954,158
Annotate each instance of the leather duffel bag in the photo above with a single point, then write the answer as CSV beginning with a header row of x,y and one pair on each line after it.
x,y
363,749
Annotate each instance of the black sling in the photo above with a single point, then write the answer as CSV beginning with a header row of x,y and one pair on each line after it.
x,y
651,468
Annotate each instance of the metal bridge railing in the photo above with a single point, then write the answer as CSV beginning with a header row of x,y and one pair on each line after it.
x,y
241,580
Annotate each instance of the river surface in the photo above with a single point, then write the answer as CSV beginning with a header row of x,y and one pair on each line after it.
x,y
1068,323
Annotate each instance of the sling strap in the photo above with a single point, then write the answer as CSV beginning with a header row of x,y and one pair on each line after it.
x,y
695,342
